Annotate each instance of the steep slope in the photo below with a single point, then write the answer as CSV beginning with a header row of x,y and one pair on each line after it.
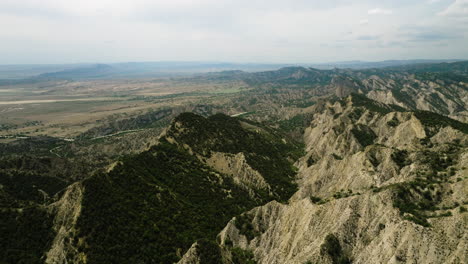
x,y
151,207
380,181
441,93
377,185
154,206
31,180
257,157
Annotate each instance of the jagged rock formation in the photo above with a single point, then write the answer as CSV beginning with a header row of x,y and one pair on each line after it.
x,y
377,185
237,167
440,88
377,181
439,94
68,209
192,256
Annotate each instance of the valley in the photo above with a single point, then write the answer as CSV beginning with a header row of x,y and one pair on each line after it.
x,y
294,165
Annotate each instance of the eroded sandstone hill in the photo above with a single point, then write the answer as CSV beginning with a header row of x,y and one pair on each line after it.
x,y
149,207
372,183
378,184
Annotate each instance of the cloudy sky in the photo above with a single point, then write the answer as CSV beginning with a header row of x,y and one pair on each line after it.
x,y
286,31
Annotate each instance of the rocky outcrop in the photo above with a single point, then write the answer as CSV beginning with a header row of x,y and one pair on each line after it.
x,y
369,230
444,97
67,210
237,167
367,173
191,256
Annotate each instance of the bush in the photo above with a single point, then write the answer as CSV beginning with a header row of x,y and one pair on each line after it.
x,y
242,256
332,248
209,252
315,199
311,161
400,157
364,135
243,222
393,123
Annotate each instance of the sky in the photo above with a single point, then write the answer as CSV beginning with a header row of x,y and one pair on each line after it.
x,y
257,31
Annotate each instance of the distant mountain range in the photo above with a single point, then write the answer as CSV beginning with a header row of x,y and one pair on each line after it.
x,y
170,69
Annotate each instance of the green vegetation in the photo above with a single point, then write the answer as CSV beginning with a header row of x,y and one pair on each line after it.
x,y
331,247
244,224
434,120
405,201
337,157
209,252
315,199
311,161
151,119
264,150
242,256
26,234
414,200
404,98
364,135
154,204
393,123
440,161
34,146
299,121
400,157
30,179
342,194
439,103
287,77
361,100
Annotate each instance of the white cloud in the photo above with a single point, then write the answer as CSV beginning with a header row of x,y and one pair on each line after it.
x,y
459,8
380,11
61,31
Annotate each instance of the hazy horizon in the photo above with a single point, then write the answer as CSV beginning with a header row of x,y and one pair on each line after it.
x,y
256,31
423,60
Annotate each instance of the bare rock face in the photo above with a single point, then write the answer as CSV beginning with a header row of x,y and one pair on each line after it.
x,y
237,167
447,98
376,185
367,227
191,256
68,210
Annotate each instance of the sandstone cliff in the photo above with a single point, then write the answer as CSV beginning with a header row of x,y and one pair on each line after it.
x,y
377,185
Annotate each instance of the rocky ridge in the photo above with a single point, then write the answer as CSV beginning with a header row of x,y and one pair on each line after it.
x,y
377,185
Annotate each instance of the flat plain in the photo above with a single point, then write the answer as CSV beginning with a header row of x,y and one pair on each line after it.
x,y
68,108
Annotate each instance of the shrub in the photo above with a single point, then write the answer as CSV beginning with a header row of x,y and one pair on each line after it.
x,y
315,199
243,222
364,135
242,256
332,248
